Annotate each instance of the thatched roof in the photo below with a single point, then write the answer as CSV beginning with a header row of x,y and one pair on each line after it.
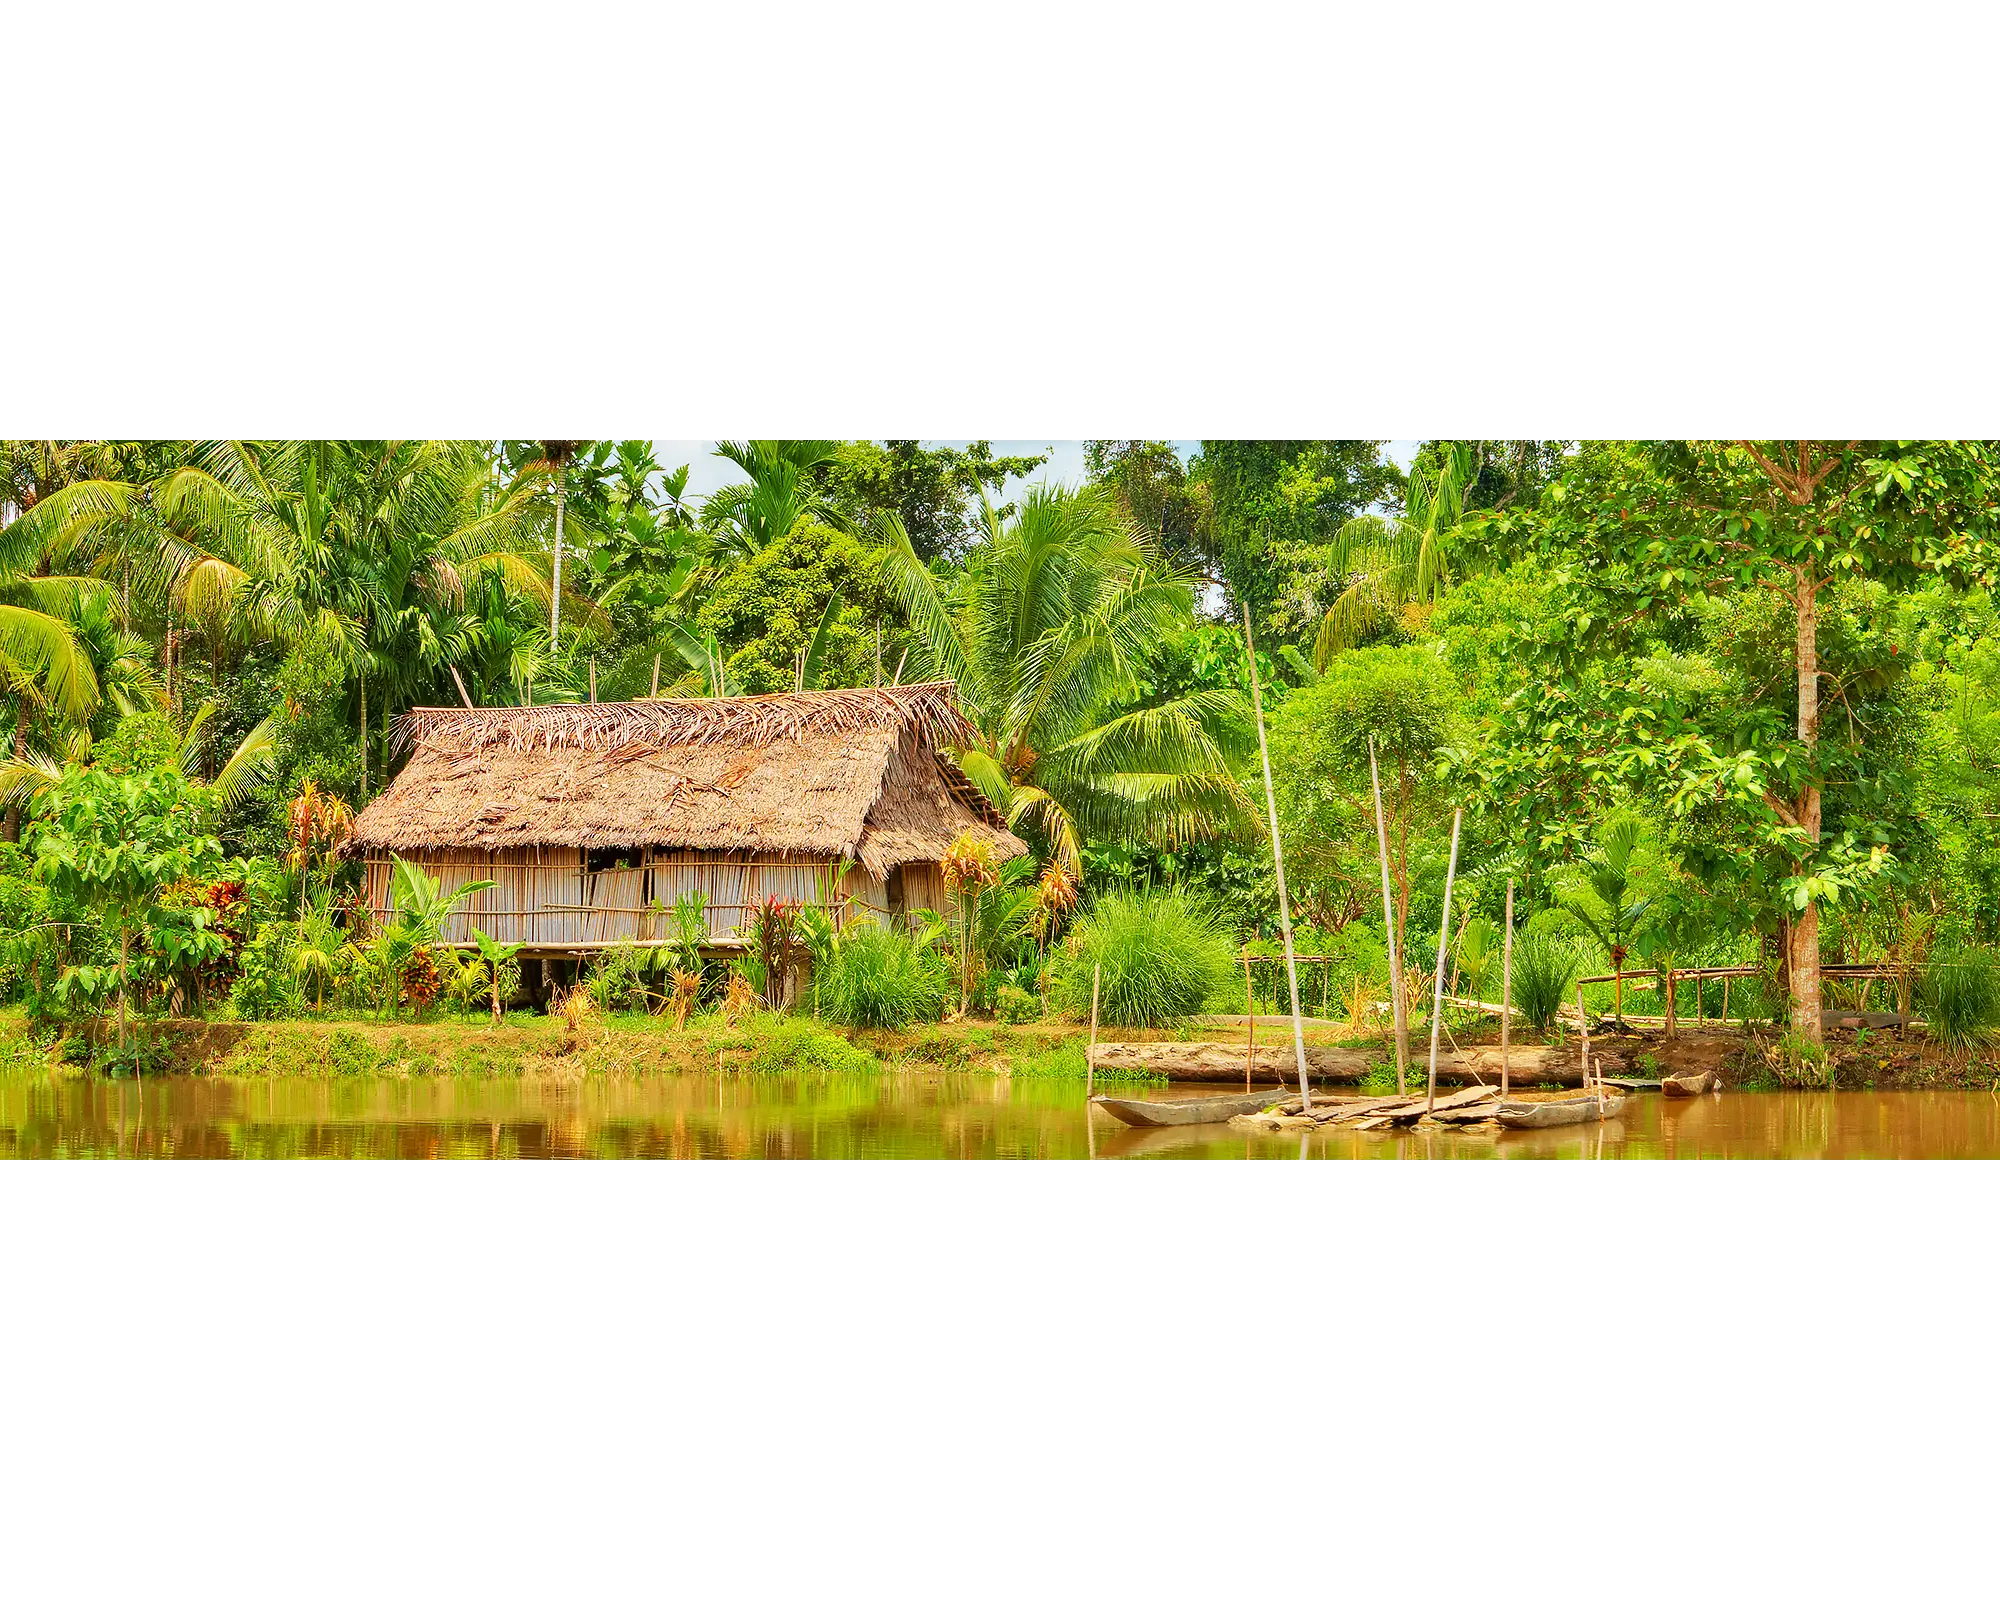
x,y
855,773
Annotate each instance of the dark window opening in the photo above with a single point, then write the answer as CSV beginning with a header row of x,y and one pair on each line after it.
x,y
623,855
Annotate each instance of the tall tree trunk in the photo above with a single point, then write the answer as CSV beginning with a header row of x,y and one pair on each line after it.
x,y
364,736
10,826
1803,949
555,588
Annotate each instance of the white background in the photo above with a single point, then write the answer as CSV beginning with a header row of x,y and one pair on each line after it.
x,y
1061,221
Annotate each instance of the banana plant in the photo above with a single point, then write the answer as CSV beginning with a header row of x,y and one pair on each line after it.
x,y
417,923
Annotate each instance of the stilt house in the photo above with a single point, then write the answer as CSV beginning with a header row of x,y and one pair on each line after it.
x,y
593,819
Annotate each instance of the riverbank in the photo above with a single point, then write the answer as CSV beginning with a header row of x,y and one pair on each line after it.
x,y
527,1045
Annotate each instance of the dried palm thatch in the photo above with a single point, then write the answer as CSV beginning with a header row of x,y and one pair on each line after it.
x,y
835,774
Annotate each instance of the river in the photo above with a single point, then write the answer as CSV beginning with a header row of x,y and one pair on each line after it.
x,y
951,1116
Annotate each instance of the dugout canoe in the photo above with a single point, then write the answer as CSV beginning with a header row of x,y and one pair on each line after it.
x,y
1686,1085
1558,1113
1181,1113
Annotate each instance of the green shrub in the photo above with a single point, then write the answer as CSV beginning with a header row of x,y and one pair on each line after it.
x,y
1960,997
879,978
1163,955
1016,1005
1545,966
798,1045
621,978
267,984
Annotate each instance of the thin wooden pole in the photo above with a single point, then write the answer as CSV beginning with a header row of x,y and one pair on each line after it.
x,y
1506,987
455,678
1583,1027
656,677
1090,1055
1278,866
1399,1014
1249,1016
1444,944
593,680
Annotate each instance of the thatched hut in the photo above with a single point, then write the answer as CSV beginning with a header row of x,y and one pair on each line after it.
x,y
592,818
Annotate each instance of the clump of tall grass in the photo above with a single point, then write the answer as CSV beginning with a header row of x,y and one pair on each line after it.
x,y
879,978
1545,964
1163,955
1960,997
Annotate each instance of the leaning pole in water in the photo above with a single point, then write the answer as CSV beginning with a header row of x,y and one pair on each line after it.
x,y
1278,862
1437,988
1399,1011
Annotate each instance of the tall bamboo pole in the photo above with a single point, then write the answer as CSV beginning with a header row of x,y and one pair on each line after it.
x,y
1278,864
1506,988
1444,944
1249,1016
1399,1012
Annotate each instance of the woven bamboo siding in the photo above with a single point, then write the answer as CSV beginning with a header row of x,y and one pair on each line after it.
x,y
544,898
923,888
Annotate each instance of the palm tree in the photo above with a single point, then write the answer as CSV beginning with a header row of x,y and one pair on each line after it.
x,y
24,777
1048,632
375,546
744,518
1606,913
1383,566
557,455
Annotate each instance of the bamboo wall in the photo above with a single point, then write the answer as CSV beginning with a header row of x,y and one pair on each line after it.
x,y
546,899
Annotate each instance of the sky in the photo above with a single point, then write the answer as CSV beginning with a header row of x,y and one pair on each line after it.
x,y
709,472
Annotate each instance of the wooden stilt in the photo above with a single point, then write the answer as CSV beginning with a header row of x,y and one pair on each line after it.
x,y
1399,1013
1444,945
593,680
1506,988
656,677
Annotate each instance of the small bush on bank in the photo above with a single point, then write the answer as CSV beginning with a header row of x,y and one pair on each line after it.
x,y
1163,955
878,978
798,1045
1960,997
1545,966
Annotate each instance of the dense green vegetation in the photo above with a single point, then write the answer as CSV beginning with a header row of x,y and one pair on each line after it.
x,y
1704,703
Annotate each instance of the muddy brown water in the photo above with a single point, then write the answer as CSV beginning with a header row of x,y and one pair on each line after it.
x,y
951,1116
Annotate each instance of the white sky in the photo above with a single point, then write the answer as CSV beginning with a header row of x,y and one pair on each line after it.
x,y
709,472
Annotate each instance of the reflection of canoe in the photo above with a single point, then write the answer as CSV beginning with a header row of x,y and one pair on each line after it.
x,y
1684,1085
1177,1113
1559,1112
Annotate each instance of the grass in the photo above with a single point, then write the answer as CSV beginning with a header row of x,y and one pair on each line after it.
x,y
1960,998
1162,955
879,978
1545,967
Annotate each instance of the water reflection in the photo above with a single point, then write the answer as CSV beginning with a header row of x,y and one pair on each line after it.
x,y
894,1115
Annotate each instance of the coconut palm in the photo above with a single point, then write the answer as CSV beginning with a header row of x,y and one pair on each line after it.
x,y
1048,633
23,777
1385,565
744,518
